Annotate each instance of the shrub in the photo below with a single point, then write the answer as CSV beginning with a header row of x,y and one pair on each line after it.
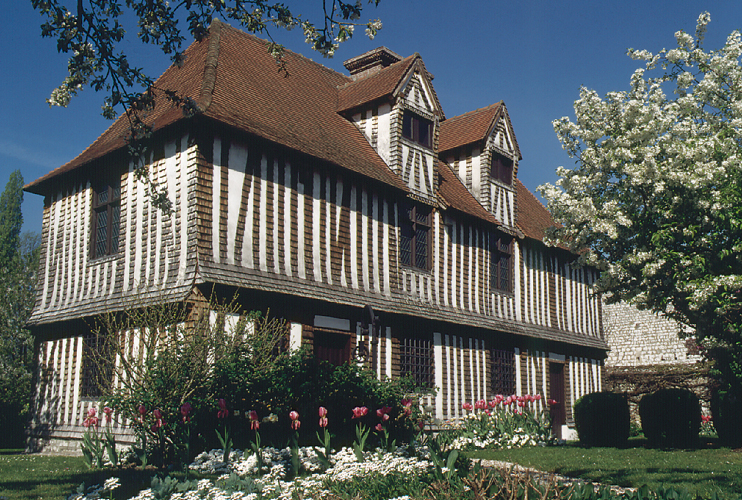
x,y
671,418
602,419
726,407
301,383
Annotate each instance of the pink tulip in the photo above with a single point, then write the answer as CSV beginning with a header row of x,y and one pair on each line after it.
x,y
407,402
537,397
295,423
480,405
379,427
499,398
322,411
323,422
109,412
360,411
254,421
185,410
223,412
467,406
92,412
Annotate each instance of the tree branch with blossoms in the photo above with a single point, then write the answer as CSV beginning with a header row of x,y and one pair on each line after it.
x,y
653,198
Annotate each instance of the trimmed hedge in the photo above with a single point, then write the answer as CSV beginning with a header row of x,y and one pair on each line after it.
x,y
671,418
726,408
602,419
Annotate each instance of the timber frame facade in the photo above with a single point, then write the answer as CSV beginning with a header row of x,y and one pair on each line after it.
x,y
320,195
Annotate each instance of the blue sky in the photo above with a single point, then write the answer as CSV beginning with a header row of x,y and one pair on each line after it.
x,y
533,55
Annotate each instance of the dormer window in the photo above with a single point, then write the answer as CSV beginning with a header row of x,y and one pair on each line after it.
x,y
417,129
501,168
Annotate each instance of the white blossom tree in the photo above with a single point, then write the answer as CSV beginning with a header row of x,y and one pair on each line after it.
x,y
655,197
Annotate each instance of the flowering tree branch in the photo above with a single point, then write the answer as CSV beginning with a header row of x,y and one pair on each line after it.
x,y
653,199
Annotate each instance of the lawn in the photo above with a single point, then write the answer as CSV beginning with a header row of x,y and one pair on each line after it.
x,y
32,477
701,471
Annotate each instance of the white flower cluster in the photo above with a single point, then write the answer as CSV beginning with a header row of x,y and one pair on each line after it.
x,y
96,491
345,467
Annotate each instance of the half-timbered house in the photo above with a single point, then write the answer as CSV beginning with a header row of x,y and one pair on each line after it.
x,y
321,196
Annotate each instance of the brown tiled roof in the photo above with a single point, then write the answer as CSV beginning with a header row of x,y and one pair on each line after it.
x,y
234,80
376,86
456,196
471,127
533,217
468,128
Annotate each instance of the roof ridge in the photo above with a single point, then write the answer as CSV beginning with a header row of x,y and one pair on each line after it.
x,y
210,65
478,110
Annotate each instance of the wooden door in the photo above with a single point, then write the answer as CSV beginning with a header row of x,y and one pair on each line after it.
x,y
332,347
557,393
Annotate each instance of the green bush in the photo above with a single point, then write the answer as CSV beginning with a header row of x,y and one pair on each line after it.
x,y
602,419
301,383
671,418
726,408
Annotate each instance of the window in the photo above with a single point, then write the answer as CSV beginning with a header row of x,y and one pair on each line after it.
x,y
501,168
503,371
96,366
414,240
417,129
416,360
105,220
501,268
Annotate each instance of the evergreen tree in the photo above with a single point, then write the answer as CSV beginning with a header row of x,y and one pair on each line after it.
x,y
18,260
11,219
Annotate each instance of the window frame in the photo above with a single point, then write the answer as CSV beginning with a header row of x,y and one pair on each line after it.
x,y
502,371
111,207
413,124
501,168
411,223
501,254
96,366
416,360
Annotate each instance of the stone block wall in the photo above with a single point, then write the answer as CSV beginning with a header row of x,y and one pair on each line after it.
x,y
642,338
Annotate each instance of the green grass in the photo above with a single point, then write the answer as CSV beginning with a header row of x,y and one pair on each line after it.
x,y
32,477
701,471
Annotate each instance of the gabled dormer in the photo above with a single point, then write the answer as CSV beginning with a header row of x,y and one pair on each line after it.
x,y
392,101
480,147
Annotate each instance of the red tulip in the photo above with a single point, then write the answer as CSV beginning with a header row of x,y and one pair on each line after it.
x,y
223,412
467,406
360,411
379,427
185,410
295,423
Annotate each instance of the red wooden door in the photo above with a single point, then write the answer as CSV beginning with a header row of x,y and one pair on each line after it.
x,y
332,347
556,389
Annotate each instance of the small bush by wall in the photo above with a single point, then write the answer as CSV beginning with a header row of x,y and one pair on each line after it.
x,y
726,408
671,418
602,419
